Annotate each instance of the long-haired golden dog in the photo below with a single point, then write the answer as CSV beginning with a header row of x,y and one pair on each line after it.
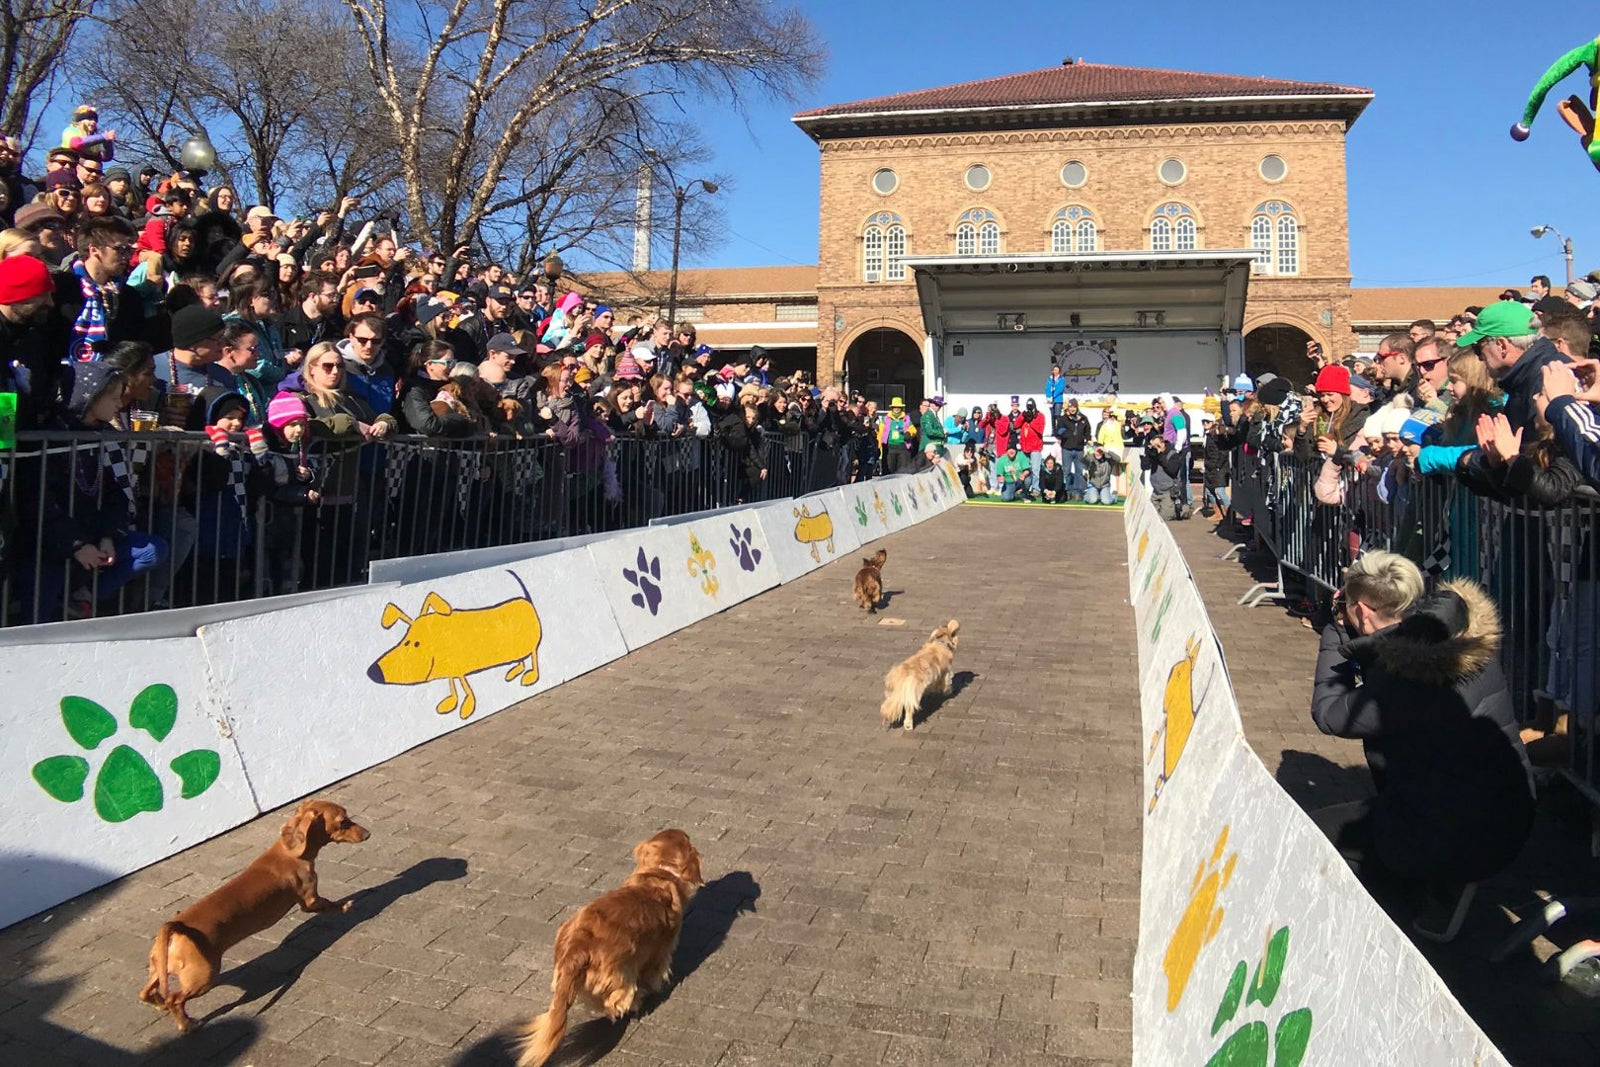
x,y
619,943
869,581
927,671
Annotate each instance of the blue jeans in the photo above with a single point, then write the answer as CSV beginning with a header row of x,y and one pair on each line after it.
x,y
1036,460
1010,490
1099,495
1072,479
137,553
1219,495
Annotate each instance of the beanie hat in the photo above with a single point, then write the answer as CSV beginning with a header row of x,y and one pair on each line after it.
x,y
1412,429
569,301
601,309
284,409
193,324
1333,379
33,217
24,278
1243,383
61,179
627,368
1274,392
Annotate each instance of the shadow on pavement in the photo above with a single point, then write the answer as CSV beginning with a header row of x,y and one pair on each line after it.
x,y
711,915
28,1037
277,970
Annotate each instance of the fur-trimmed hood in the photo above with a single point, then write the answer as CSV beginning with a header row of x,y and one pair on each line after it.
x,y
1448,638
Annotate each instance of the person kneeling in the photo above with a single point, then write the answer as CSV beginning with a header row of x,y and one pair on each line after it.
x,y
1013,471
1052,486
1418,680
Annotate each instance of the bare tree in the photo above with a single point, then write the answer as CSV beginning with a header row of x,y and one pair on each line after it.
x,y
275,85
492,79
34,37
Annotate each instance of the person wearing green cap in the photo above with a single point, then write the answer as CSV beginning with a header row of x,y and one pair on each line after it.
x,y
1508,340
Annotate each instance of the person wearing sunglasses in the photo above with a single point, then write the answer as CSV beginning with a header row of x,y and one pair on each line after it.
x,y
427,370
1431,391
366,364
102,309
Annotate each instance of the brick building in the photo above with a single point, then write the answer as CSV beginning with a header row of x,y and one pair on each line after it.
x,y
1072,162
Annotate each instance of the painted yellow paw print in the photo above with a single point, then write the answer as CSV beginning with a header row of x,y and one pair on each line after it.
x,y
1201,919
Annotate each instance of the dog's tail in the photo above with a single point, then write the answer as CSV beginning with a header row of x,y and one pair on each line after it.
x,y
540,1037
155,990
901,697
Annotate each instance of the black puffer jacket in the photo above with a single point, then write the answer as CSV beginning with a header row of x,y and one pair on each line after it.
x,y
1429,702
1073,431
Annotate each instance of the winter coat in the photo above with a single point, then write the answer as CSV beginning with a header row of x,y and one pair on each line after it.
x,y
1218,460
1073,431
1524,381
1305,444
1430,704
1166,470
1051,480
1100,470
933,432
1524,479
416,416
374,385
1055,389
1030,438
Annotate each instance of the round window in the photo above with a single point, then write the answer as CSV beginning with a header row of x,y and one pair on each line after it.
x,y
885,181
977,177
1273,168
1074,174
1172,171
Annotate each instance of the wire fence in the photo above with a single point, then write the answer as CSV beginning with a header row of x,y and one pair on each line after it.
x,y
1538,562
117,523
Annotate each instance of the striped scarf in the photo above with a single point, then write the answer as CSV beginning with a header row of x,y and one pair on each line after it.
x,y
90,328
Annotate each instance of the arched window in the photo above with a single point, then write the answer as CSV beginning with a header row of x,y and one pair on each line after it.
x,y
1275,237
883,248
1174,228
1074,230
977,231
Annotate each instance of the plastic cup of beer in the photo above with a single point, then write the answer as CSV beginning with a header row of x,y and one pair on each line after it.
x,y
143,421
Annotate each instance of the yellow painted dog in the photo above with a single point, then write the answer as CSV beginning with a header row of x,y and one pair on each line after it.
x,y
452,643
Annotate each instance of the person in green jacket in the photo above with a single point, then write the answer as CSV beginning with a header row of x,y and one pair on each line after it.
x,y
1012,471
895,438
933,432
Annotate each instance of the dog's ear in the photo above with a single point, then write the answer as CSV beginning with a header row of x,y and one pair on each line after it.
x,y
392,614
952,626
293,834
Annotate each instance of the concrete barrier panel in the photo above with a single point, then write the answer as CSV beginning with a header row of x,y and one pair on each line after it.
x,y
806,534
662,578
318,693
1256,942
113,756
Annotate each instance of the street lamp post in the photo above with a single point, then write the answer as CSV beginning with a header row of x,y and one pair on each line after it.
x,y
680,194
1566,245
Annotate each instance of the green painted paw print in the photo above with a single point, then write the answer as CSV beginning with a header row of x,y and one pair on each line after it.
x,y
126,784
861,513
1252,1045
894,498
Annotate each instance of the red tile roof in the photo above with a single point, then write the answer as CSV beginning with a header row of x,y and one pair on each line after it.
x,y
1083,83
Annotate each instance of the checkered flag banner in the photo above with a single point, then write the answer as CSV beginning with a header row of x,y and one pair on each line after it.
x,y
1438,562
526,471
125,468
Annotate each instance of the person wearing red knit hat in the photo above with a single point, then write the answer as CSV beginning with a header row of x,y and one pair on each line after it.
x,y
32,339
1333,423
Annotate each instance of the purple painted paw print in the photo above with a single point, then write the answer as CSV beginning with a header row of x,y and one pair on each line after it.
x,y
648,580
740,543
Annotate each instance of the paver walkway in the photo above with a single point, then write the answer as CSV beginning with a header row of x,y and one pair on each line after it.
x,y
965,894
1535,1022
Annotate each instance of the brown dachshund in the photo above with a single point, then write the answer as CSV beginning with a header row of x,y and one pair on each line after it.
x,y
190,947
619,943
869,581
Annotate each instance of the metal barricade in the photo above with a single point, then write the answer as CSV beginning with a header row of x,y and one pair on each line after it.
x,y
1539,564
118,523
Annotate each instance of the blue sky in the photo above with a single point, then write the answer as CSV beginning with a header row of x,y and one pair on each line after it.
x,y
1439,193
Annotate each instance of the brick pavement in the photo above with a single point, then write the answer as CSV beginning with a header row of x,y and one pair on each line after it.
x,y
1534,1021
965,894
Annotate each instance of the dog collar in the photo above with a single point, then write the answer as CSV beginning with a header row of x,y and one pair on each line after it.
x,y
945,641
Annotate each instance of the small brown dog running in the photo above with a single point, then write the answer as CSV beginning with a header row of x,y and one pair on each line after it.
x,y
927,671
619,943
869,581
190,947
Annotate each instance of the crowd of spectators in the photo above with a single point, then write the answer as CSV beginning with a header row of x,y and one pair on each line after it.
x,y
1471,450
134,302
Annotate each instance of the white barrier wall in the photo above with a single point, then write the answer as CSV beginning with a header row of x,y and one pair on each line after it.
x,y
381,673
119,753
662,578
114,757
1256,943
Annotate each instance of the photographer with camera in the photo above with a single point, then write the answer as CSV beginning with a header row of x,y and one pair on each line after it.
x,y
1418,680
